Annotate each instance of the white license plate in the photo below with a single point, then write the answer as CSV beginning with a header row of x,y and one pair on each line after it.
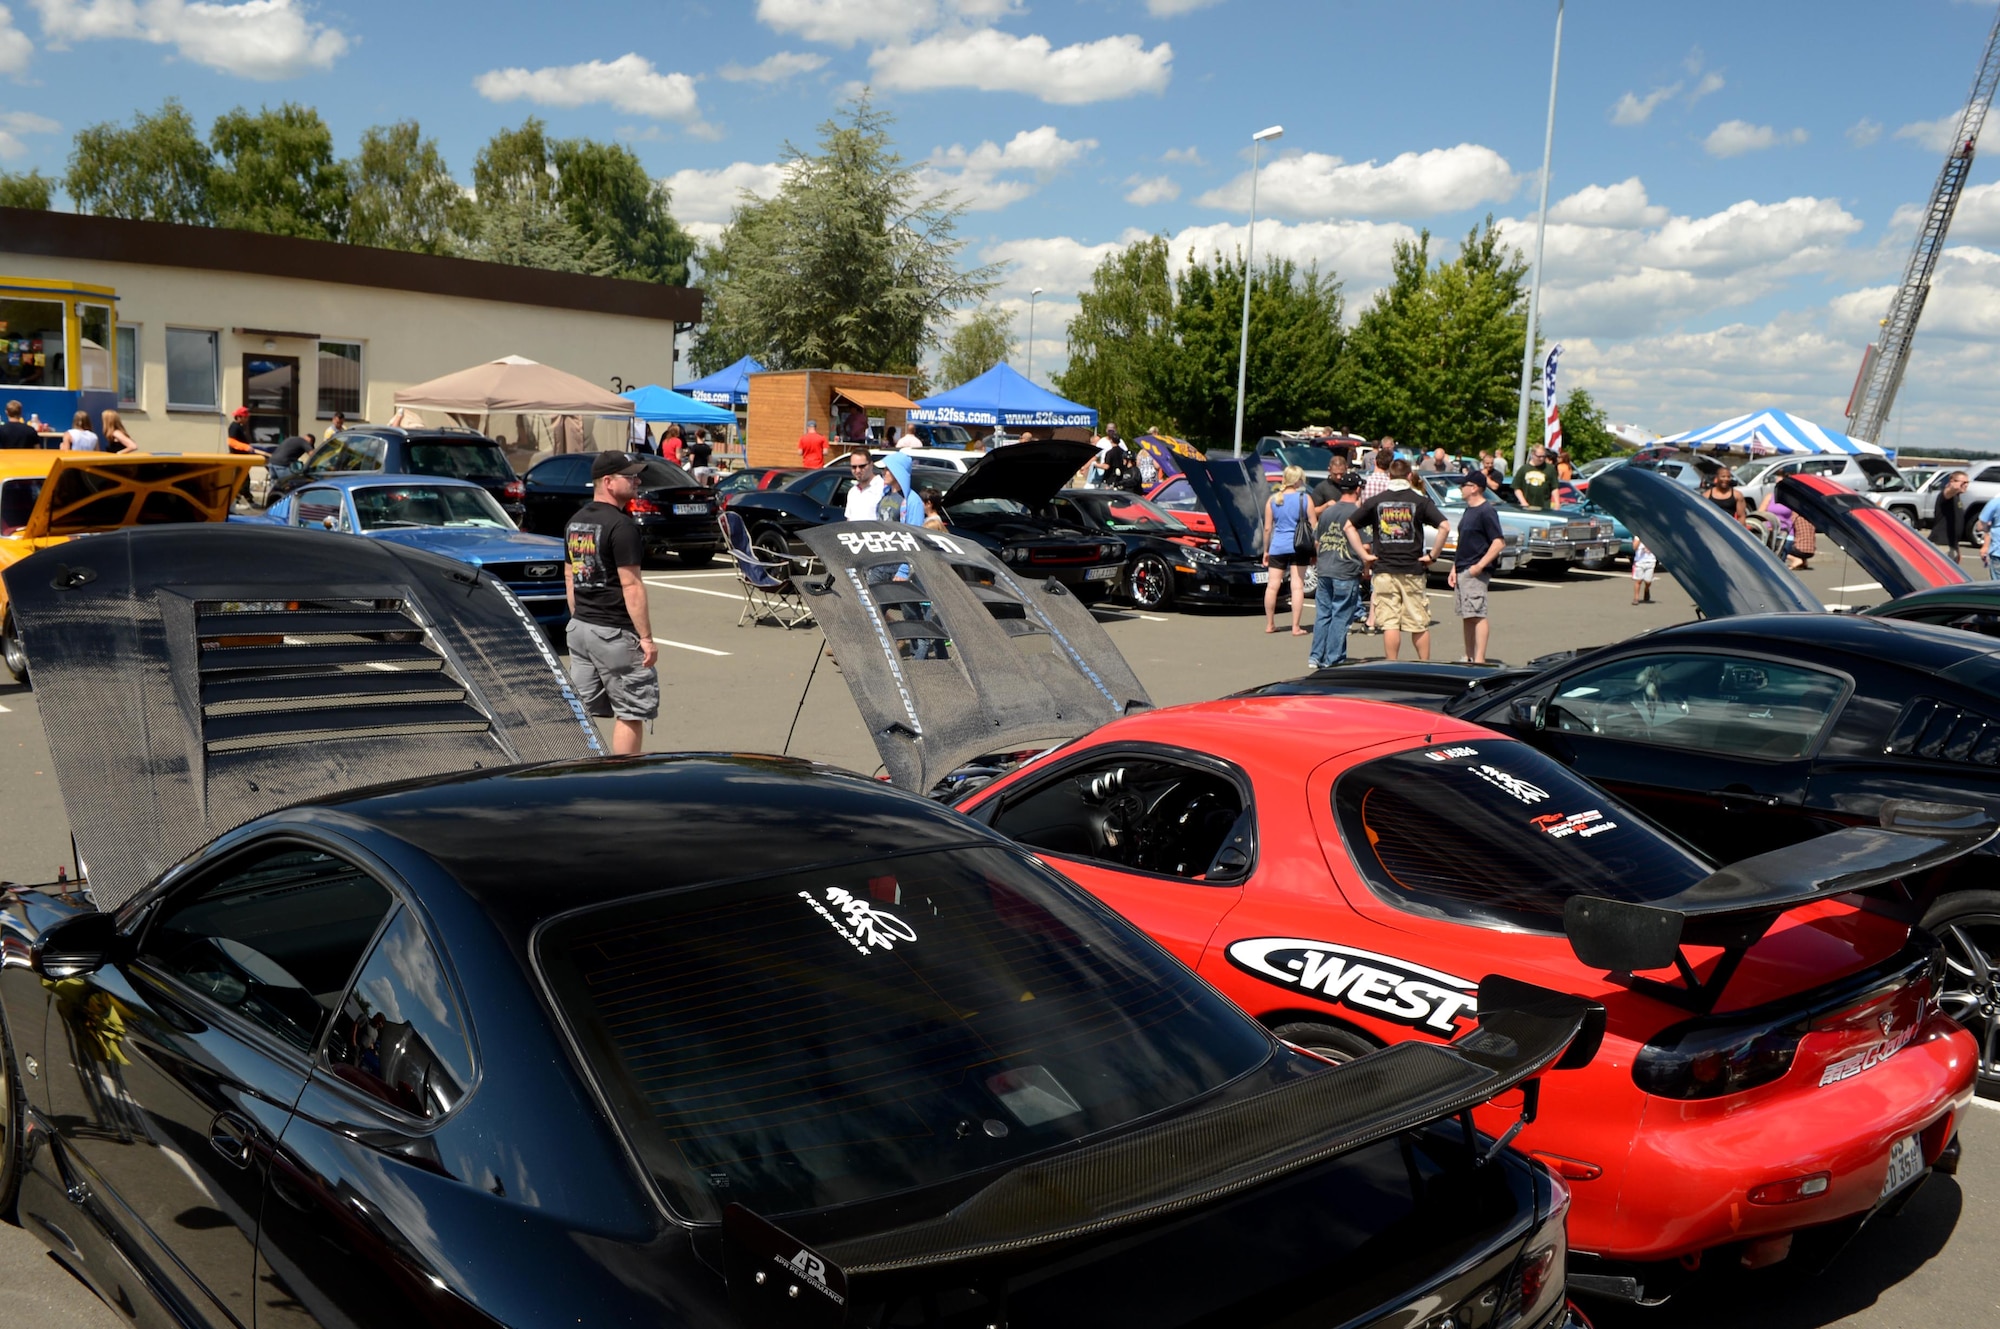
x,y
1594,551
1259,578
1101,574
1906,1161
690,509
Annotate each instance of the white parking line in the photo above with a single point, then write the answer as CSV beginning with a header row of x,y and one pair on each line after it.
x,y
1989,1104
1860,586
664,575
1150,618
5,710
692,590
686,646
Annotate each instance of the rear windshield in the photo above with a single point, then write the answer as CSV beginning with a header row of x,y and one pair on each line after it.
x,y
665,475
1494,832
842,1034
461,461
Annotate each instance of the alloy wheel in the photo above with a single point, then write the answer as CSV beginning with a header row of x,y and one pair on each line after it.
x,y
1150,581
1970,993
11,653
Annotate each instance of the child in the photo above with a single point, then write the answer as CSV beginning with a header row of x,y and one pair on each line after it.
x,y
933,519
1643,567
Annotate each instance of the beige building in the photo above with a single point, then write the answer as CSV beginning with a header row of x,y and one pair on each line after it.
x,y
205,320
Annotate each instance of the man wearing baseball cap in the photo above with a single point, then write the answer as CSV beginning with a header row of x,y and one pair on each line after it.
x,y
1480,541
239,430
611,649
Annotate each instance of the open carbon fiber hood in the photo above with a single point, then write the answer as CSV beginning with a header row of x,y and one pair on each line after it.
x,y
191,678
1233,490
962,659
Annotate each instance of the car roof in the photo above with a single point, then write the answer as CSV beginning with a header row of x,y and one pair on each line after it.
x,y
531,842
31,462
1291,732
1921,646
350,480
438,435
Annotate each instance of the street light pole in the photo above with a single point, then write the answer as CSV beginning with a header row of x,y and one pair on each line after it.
x,y
1541,228
1031,332
1249,257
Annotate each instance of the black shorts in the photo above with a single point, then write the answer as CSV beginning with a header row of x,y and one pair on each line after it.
x,y
1294,558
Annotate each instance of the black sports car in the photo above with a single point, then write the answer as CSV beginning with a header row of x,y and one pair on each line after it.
x,y
1165,561
701,1041
674,513
1767,723
995,502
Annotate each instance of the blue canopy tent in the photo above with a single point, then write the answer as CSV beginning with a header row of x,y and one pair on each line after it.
x,y
660,405
725,387
1002,398
1763,433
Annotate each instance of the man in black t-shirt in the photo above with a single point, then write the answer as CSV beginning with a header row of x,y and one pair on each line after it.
x,y
1480,541
611,649
1400,559
18,433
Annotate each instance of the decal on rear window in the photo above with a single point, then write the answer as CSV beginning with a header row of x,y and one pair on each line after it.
x,y
1563,825
1511,784
866,928
1383,986
1449,754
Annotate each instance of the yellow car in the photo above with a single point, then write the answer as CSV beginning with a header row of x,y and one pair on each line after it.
x,y
49,497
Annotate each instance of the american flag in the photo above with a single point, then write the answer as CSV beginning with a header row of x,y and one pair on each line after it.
x,y
1552,433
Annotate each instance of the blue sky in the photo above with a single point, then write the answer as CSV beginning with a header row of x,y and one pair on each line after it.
x,y
1736,182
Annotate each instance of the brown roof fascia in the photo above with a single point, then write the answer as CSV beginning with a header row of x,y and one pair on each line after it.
x,y
71,235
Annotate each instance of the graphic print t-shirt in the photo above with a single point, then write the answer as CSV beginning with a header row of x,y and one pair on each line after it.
x,y
1399,518
599,540
1336,561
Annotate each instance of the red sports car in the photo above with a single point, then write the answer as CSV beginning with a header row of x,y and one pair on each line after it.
x,y
1345,870
1176,496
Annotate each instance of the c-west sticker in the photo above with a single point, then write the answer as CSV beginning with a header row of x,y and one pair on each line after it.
x,y
1378,985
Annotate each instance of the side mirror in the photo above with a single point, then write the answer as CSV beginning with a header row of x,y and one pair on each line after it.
x,y
1530,712
76,946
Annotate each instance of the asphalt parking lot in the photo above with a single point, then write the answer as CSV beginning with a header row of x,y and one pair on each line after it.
x,y
738,689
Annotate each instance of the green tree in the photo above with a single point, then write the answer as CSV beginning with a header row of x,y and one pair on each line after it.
x,y
521,234
517,166
26,190
981,342
157,170
603,190
1434,359
402,196
1294,350
850,266
276,173
1586,436
1121,343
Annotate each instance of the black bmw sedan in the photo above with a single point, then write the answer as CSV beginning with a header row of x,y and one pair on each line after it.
x,y
708,1040
674,513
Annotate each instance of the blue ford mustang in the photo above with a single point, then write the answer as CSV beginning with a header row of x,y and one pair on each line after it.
x,y
455,518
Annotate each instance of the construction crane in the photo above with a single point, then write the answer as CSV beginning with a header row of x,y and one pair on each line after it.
x,y
1882,364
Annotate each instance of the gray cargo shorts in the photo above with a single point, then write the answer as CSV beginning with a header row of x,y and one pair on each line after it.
x,y
1472,595
606,664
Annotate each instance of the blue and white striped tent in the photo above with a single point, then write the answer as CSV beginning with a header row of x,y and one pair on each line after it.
x,y
1763,433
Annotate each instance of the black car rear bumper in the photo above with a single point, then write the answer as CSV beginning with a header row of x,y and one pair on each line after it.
x,y
681,535
1225,584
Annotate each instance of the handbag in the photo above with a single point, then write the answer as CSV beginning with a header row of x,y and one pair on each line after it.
x,y
1304,542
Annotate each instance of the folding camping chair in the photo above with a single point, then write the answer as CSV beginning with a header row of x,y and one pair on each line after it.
x,y
768,588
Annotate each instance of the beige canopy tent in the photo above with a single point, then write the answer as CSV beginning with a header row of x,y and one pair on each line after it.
x,y
547,403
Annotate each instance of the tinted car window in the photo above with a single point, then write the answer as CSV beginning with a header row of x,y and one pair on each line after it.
x,y
1129,812
274,940
560,471
847,1033
319,507
665,475
362,453
385,507
1493,832
17,502
820,485
399,1036
324,457
1709,703
1178,496
461,461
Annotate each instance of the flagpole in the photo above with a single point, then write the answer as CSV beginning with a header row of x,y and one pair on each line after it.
x,y
1541,229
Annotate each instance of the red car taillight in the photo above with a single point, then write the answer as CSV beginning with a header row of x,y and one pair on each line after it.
x,y
515,490
1543,1267
642,507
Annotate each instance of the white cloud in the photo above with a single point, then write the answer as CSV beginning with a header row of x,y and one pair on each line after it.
x,y
1147,190
1054,263
1313,184
1632,109
1175,8
1977,220
774,68
15,124
1939,135
1710,83
1104,70
1189,155
1357,252
1798,233
1864,132
1622,205
630,83
842,23
256,39
710,197
15,48
987,177
1733,138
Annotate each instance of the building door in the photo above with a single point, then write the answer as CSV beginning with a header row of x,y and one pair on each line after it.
x,y
271,391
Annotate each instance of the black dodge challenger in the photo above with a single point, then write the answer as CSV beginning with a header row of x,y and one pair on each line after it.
x,y
533,1038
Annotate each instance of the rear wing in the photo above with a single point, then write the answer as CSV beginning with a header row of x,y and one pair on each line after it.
x,y
1033,1212
1734,907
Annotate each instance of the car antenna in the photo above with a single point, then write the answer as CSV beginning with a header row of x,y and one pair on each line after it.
x,y
820,652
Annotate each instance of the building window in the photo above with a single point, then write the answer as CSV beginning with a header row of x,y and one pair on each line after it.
x,y
93,346
31,344
340,379
193,370
128,364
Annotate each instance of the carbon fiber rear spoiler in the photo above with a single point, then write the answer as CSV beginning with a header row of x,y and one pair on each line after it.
x,y
1034,1211
1734,907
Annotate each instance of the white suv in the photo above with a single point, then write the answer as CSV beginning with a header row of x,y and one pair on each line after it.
x,y
1871,476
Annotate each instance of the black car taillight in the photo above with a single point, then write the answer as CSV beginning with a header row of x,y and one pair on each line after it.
x,y
515,489
1540,1273
1708,1059
642,507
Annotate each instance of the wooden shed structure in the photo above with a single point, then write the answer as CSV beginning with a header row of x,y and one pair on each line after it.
x,y
782,401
